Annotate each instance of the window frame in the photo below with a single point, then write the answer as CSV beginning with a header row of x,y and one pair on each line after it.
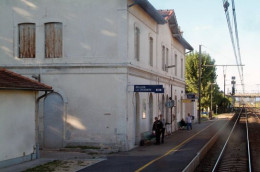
x,y
54,50
167,60
32,49
163,57
151,42
137,43
176,64
182,67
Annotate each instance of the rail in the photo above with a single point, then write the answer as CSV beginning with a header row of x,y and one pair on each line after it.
x,y
225,145
248,145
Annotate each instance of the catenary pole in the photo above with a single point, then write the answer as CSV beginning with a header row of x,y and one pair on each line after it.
x,y
199,84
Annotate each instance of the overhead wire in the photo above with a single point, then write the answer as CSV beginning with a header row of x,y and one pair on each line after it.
x,y
237,38
231,33
236,47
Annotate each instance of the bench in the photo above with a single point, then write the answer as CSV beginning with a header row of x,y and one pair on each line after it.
x,y
147,137
182,127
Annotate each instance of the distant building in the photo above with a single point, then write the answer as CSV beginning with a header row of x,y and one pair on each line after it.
x,y
93,53
18,97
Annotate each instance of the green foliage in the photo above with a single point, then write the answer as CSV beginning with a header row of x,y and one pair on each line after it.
x,y
208,75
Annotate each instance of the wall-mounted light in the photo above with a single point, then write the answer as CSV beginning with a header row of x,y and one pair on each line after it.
x,y
170,66
37,77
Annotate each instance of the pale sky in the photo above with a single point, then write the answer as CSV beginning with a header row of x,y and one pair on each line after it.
x,y
204,23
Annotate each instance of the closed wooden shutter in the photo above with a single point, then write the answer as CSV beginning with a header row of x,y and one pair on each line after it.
x,y
27,40
137,43
53,40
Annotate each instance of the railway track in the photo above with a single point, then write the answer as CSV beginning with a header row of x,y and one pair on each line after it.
x,y
238,146
234,154
254,135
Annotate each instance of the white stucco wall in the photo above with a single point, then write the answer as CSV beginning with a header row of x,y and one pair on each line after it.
x,y
98,66
96,105
17,124
92,30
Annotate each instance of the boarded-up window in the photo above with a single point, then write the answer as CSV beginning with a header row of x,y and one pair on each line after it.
x,y
167,60
182,65
151,51
137,43
26,40
176,64
163,58
53,40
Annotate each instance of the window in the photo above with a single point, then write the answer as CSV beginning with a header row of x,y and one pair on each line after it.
x,y
181,68
151,51
137,43
53,40
26,40
167,59
163,58
144,109
176,65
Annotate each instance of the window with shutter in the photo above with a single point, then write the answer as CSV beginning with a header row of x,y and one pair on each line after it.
x,y
53,40
26,40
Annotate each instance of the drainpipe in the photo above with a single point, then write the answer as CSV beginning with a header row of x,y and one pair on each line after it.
x,y
37,147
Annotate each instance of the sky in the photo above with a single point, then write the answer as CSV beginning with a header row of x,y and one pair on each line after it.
x,y
204,23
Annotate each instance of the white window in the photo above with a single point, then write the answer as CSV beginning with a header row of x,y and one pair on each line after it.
x,y
53,40
151,51
26,40
137,43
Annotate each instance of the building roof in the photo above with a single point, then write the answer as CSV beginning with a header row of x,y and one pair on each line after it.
x,y
13,81
148,7
170,17
162,17
166,14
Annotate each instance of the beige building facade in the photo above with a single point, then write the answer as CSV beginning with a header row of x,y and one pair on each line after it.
x,y
93,53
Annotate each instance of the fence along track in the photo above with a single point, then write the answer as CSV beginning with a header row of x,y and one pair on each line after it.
x,y
233,156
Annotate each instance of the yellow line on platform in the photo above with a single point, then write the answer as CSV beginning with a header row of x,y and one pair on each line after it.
x,y
171,150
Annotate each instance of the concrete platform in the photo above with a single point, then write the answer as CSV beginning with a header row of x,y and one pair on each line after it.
x,y
175,154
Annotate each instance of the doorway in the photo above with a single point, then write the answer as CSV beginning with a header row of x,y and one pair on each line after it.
x,y
53,121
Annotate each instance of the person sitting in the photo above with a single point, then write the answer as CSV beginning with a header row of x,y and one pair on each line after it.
x,y
182,124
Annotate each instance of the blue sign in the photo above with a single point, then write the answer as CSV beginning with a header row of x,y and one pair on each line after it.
x,y
191,96
149,88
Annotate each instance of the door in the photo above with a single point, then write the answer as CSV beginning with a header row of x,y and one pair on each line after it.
x,y
151,111
53,121
137,119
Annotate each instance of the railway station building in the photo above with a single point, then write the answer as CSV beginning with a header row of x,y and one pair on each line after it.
x,y
95,54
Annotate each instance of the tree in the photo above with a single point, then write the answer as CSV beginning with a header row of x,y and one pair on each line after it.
x,y
208,76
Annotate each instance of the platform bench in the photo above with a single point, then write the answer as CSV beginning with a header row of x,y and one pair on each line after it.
x,y
182,127
147,137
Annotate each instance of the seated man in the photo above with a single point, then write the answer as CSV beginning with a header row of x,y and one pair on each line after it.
x,y
182,124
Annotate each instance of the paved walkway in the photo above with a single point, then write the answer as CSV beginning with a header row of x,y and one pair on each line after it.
x,y
174,155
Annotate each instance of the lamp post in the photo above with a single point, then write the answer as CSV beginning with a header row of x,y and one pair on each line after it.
x,y
199,84
171,66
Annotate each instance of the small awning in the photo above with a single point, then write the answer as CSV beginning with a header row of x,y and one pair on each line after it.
x,y
13,81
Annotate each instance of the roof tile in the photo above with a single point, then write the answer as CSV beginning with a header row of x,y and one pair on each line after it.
x,y
11,80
